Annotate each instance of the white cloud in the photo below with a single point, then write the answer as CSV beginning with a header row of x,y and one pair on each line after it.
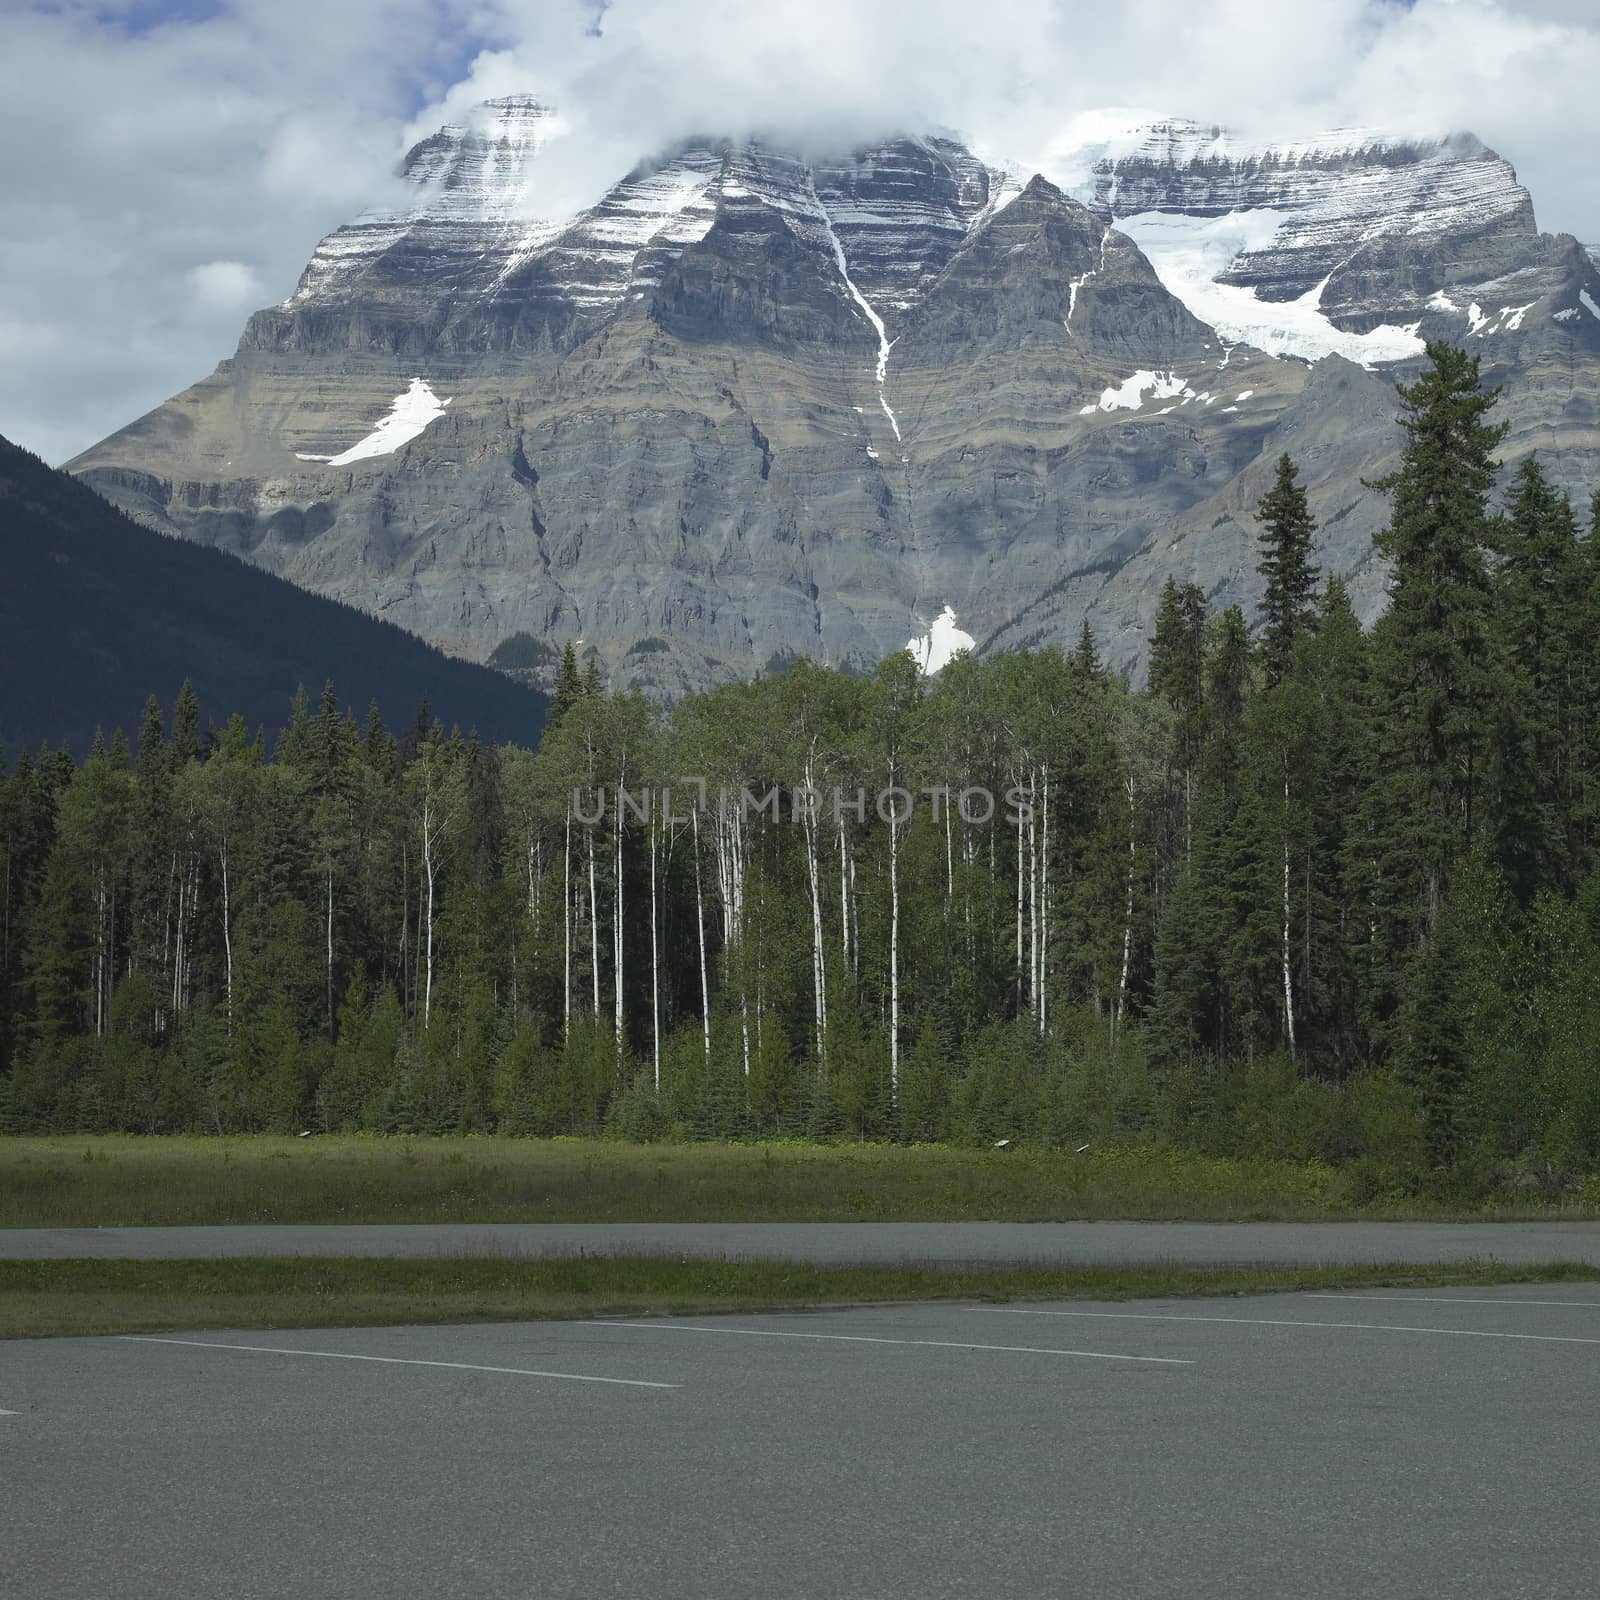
x,y
152,175
135,162
225,286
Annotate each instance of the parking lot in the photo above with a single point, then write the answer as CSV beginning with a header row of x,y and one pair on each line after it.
x,y
1408,1443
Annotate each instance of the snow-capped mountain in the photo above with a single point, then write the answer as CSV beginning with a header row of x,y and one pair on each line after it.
x,y
748,401
1353,242
475,250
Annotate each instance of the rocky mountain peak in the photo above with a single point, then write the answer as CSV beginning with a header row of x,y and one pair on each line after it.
x,y
1367,221
751,401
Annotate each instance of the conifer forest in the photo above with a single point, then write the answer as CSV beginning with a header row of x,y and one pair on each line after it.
x,y
1311,891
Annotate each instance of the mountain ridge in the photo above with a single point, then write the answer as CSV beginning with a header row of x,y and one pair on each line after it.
x,y
760,404
99,612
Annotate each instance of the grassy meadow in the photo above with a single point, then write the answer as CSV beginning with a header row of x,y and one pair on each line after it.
x,y
40,1298
127,1180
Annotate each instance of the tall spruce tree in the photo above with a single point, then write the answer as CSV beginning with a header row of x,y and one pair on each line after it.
x,y
1434,656
1535,593
1435,685
1177,674
1288,603
569,689
1335,665
1086,657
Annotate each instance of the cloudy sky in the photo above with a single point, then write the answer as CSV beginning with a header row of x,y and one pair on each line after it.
x,y
169,164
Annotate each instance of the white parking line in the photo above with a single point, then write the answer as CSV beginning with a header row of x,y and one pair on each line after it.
x,y
396,1361
1285,1322
862,1338
1454,1299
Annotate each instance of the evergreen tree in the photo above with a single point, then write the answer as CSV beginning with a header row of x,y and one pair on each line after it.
x,y
1372,853
1287,604
152,868
1541,720
1177,650
1434,674
1177,674
569,690
1086,658
185,726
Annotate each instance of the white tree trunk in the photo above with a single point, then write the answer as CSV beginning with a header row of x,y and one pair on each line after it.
x,y
1021,996
329,968
566,930
1288,982
1033,894
429,866
855,923
227,929
819,973
616,927
1044,903
594,928
949,857
100,948
844,897
1127,915
700,929
894,956
408,997
655,963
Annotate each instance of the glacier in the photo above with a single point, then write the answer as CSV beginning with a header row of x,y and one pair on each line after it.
x,y
1191,254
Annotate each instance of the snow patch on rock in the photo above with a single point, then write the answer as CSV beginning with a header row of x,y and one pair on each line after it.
x,y
1507,319
1132,392
408,417
1588,304
938,646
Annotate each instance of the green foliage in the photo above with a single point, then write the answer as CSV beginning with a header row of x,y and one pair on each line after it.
x,y
1287,530
1325,898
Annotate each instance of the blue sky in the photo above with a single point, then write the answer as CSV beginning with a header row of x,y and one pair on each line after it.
x,y
170,164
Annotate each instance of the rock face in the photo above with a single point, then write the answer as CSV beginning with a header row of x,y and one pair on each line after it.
x,y
1374,219
756,403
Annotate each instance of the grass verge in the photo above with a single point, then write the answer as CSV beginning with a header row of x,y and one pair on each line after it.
x,y
39,1298
120,1180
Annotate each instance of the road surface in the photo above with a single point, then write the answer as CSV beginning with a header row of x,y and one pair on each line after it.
x,y
1405,1443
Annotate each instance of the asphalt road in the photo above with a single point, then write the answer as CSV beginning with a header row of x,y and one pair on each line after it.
x,y
1404,1444
956,1243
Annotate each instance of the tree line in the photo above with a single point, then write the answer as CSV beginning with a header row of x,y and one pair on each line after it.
x,y
1313,891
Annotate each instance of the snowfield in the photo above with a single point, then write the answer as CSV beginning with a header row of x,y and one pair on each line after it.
x,y
408,417
938,646
1132,392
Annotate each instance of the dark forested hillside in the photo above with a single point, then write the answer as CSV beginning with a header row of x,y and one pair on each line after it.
x,y
97,612
1316,892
